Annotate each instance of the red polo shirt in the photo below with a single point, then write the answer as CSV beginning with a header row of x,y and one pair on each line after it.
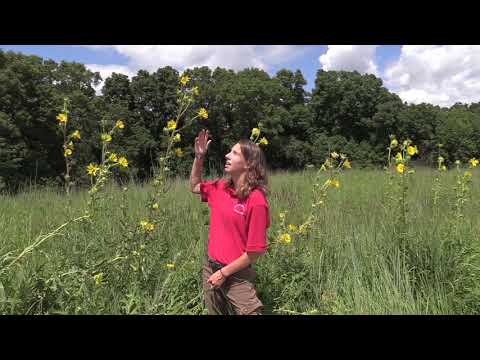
x,y
236,226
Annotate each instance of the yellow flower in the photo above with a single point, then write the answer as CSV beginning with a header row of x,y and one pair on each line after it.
x,y
332,182
334,155
113,157
119,124
63,118
441,159
92,169
179,152
147,226
155,206
443,168
123,162
346,164
170,266
68,152
177,137
76,135
263,141
394,143
171,125
292,227
473,162
98,279
106,137
286,238
195,91
400,168
457,162
255,132
412,150
70,145
282,215
184,80
203,113
399,157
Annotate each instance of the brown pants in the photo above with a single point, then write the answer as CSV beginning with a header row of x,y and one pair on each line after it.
x,y
236,295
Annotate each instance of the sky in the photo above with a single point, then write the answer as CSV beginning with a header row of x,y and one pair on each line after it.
x,y
436,74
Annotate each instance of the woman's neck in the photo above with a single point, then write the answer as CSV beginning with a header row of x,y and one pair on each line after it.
x,y
238,181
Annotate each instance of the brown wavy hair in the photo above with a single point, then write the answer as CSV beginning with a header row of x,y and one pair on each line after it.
x,y
256,177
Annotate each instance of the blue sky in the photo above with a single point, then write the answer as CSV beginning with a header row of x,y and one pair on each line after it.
x,y
437,74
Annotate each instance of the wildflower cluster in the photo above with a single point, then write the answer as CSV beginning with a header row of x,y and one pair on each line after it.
x,y
100,173
138,236
441,168
463,182
172,131
290,257
255,136
398,190
333,166
68,142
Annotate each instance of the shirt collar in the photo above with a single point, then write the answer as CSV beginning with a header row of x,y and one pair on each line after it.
x,y
231,191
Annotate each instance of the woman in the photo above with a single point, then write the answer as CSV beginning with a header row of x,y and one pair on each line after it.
x,y
239,218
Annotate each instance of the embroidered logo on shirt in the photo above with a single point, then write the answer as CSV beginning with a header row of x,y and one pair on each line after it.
x,y
239,209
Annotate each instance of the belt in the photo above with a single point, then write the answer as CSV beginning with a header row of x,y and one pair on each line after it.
x,y
215,264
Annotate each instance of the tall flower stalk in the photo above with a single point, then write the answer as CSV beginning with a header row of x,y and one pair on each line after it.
x,y
68,145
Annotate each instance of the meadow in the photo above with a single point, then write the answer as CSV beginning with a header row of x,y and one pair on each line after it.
x,y
362,256
343,240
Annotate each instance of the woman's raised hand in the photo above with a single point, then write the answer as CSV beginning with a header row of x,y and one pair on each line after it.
x,y
201,143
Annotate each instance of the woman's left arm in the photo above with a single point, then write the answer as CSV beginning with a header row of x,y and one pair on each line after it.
x,y
218,277
241,263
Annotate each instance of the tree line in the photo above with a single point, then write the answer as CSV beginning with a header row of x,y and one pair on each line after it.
x,y
345,111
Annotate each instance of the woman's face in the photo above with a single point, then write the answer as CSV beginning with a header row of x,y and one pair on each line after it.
x,y
235,163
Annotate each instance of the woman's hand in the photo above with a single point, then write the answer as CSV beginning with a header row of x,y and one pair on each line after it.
x,y
201,143
216,279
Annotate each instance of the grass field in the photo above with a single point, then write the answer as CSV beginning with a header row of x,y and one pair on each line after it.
x,y
357,260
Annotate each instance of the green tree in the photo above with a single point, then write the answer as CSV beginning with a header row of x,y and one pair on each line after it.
x,y
456,131
344,103
13,152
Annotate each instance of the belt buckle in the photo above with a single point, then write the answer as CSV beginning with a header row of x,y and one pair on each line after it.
x,y
215,264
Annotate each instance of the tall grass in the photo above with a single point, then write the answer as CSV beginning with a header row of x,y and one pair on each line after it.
x,y
349,264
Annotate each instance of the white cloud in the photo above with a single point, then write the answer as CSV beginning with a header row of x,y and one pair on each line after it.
x,y
106,70
437,74
349,58
236,57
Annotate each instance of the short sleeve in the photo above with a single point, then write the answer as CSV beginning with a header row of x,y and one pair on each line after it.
x,y
259,221
206,189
